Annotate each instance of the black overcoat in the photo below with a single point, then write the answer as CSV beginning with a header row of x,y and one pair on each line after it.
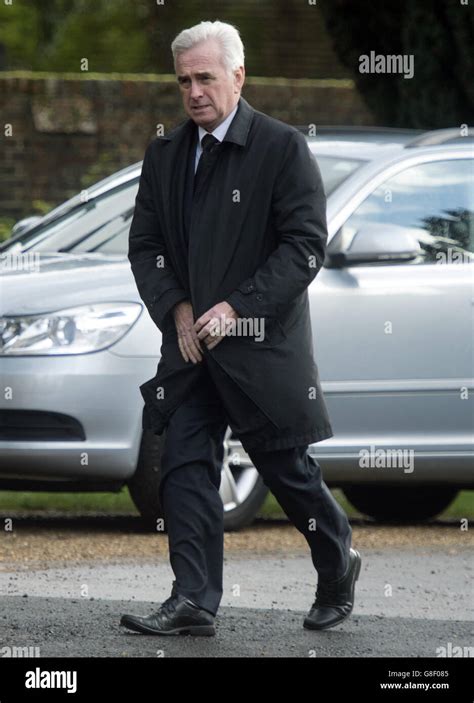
x,y
257,239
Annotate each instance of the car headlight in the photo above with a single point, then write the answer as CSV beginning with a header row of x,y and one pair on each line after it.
x,y
86,328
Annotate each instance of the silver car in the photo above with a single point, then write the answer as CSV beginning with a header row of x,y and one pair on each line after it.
x,y
391,316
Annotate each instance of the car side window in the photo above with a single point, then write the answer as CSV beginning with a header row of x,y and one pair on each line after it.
x,y
434,201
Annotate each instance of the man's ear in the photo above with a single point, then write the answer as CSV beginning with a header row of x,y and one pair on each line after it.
x,y
240,86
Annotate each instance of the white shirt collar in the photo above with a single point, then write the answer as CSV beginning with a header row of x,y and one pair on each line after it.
x,y
221,130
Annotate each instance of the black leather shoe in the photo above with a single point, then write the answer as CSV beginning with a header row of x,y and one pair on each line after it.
x,y
334,599
176,616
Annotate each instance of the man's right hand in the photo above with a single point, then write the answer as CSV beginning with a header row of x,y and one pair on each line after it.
x,y
188,341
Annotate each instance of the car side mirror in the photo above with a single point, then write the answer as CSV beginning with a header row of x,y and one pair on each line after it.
x,y
373,243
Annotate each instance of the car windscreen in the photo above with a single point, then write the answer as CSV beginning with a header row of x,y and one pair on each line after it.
x,y
112,236
100,224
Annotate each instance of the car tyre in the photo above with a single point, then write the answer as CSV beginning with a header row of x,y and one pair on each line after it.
x,y
398,503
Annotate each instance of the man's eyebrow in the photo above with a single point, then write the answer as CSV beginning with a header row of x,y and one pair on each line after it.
x,y
200,74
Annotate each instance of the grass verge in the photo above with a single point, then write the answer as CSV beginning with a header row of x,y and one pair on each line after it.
x,y
121,503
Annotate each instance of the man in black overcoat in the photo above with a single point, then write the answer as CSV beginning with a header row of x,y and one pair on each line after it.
x,y
228,232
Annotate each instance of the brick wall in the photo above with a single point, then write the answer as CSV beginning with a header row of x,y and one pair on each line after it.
x,y
70,131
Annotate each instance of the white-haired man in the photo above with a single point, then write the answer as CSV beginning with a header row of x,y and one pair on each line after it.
x,y
230,226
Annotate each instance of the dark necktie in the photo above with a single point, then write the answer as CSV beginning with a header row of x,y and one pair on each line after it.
x,y
208,144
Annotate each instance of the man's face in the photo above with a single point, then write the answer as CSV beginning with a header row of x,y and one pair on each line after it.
x,y
209,93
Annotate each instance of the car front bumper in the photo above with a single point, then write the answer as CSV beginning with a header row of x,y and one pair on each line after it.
x,y
75,418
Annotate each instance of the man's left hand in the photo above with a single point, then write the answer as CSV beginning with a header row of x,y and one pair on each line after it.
x,y
211,327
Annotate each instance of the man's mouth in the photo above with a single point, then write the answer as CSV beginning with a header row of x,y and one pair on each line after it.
x,y
200,107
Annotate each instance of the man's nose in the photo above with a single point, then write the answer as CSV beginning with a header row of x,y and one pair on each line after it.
x,y
196,90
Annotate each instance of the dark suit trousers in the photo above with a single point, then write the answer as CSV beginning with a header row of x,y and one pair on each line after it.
x,y
194,515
